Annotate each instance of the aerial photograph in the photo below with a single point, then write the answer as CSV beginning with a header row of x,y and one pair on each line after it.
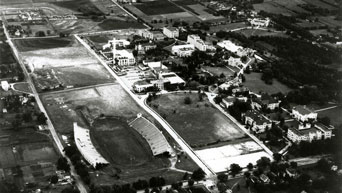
x,y
171,96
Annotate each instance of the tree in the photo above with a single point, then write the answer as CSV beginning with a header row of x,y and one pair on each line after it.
x,y
235,169
62,164
54,179
222,177
187,100
41,119
198,175
70,190
277,157
250,166
325,121
263,162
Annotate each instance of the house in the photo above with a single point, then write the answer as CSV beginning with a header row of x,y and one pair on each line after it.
x,y
303,113
260,22
326,130
197,42
171,32
227,102
266,101
235,62
183,50
257,121
143,47
234,82
4,85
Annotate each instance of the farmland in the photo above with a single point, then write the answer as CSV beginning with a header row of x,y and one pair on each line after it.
x,y
25,45
259,32
153,7
198,123
255,84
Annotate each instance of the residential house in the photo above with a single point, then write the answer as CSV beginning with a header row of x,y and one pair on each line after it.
x,y
303,113
257,121
227,101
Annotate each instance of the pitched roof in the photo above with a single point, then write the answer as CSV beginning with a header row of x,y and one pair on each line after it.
x,y
303,109
257,117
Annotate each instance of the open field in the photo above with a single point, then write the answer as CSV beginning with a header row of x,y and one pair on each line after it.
x,y
258,32
255,84
321,4
25,45
334,114
228,27
198,123
330,21
113,24
272,7
154,7
6,56
199,10
108,100
219,70
22,86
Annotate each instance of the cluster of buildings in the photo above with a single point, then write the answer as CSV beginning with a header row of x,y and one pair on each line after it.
x,y
121,57
162,78
151,35
305,126
30,15
199,43
236,49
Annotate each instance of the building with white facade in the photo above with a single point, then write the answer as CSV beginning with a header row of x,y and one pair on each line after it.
x,y
234,48
86,147
260,22
183,50
265,101
257,121
152,35
171,32
4,85
124,58
303,113
197,42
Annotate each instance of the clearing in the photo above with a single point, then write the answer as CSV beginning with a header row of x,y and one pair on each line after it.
x,y
255,84
199,123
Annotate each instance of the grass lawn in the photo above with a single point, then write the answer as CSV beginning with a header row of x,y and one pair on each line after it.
x,y
6,56
334,114
199,123
255,84
112,24
158,7
258,32
23,86
219,70
25,45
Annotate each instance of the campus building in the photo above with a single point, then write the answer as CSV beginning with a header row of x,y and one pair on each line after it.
x,y
151,35
171,32
183,50
260,22
197,42
265,101
303,113
257,121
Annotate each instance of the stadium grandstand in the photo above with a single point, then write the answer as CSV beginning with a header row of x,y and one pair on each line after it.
x,y
86,147
152,134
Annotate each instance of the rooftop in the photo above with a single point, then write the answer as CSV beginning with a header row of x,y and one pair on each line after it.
x,y
303,109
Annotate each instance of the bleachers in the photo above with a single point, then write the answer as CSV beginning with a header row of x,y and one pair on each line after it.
x,y
152,134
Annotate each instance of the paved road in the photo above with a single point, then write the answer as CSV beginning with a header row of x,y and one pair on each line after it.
x,y
141,101
79,183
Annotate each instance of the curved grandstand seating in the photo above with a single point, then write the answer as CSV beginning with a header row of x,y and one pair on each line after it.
x,y
152,134
86,147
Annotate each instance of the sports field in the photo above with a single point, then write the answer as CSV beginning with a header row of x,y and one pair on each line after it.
x,y
198,123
